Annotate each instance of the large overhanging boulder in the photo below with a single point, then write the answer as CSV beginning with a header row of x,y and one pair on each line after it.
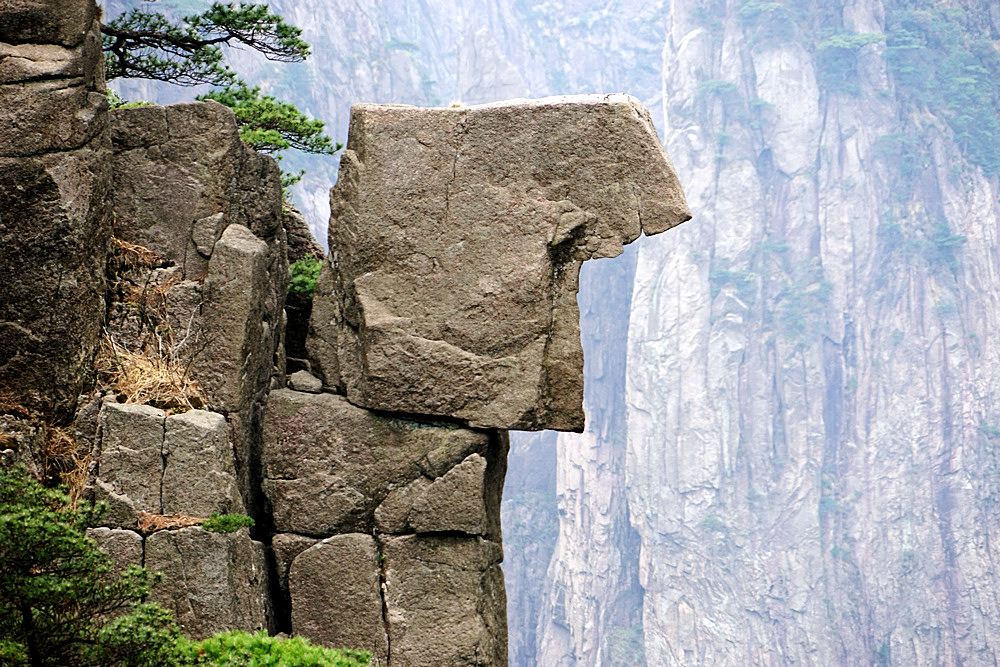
x,y
456,239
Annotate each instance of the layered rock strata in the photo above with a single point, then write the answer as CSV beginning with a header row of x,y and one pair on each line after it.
x,y
457,237
54,179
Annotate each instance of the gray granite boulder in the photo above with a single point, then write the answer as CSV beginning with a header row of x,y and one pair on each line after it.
x,y
206,179
239,329
212,581
123,546
458,236
131,460
336,596
458,501
199,473
445,601
328,464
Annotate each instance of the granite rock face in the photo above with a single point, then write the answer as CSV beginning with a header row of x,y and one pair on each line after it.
x,y
328,465
457,237
151,462
212,581
444,601
186,187
123,546
54,180
335,593
194,154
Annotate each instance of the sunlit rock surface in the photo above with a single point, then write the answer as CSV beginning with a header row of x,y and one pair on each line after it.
x,y
457,237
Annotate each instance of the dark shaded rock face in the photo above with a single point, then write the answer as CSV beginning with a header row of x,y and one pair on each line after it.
x,y
54,180
458,236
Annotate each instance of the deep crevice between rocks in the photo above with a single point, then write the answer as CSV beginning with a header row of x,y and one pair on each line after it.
x,y
380,555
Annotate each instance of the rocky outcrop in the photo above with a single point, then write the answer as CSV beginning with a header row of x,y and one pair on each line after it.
x,y
328,465
54,180
177,464
213,581
454,289
216,215
301,241
444,601
334,475
341,572
207,180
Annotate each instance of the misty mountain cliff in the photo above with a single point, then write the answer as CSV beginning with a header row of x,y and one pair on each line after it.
x,y
793,443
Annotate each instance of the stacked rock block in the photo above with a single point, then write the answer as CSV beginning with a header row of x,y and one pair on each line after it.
x,y
186,188
54,179
181,465
445,314
458,236
387,530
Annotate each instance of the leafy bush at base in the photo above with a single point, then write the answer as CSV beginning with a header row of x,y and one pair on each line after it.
x,y
242,649
63,604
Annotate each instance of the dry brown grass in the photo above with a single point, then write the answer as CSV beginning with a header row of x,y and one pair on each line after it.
x,y
65,462
10,404
125,255
153,375
150,523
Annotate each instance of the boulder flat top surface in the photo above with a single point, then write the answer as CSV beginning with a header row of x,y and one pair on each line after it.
x,y
456,239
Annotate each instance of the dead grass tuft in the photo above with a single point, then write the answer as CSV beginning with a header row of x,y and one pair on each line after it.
x,y
65,462
153,375
150,523
11,405
125,255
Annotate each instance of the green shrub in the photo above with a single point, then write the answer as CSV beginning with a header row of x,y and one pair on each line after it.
x,y
61,601
226,523
304,273
242,649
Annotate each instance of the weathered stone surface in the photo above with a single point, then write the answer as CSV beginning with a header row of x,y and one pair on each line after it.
x,y
392,516
301,241
24,62
454,501
206,232
459,235
45,21
305,381
199,475
131,461
458,501
123,546
54,179
286,547
212,581
215,211
335,594
192,152
120,510
328,464
237,359
445,601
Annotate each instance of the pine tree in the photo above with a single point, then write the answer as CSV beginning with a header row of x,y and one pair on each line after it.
x,y
148,45
61,601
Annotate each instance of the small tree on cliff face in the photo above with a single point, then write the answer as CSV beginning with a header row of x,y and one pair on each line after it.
x,y
61,603
147,45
